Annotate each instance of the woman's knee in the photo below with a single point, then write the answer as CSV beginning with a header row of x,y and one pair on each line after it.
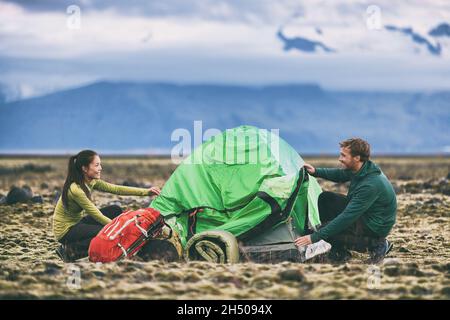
x,y
81,232
112,211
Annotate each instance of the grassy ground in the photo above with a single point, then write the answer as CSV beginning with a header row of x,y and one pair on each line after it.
x,y
418,266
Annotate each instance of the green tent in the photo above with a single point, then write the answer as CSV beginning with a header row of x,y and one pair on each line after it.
x,y
247,181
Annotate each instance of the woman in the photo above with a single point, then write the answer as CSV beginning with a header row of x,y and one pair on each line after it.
x,y
70,228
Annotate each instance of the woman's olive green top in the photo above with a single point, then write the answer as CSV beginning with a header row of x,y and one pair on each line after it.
x,y
78,205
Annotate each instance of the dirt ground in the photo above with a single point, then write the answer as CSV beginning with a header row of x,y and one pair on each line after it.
x,y
418,267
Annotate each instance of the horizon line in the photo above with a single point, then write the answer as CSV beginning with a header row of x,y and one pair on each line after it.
x,y
168,156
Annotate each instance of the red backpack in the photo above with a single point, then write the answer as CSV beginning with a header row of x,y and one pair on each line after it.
x,y
125,235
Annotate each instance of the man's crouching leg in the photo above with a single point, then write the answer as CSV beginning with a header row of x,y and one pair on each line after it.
x,y
361,239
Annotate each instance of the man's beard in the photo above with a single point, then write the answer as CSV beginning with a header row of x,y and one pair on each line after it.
x,y
348,167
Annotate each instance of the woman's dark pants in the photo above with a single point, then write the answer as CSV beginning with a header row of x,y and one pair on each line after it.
x,y
78,238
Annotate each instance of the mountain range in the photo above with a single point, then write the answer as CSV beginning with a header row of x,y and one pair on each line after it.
x,y
127,117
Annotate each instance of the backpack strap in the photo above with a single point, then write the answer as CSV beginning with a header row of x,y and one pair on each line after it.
x,y
192,222
277,213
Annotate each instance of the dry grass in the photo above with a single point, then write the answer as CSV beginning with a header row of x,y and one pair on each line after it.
x,y
418,266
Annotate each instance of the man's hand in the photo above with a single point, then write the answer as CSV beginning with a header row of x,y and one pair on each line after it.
x,y
154,191
310,168
303,241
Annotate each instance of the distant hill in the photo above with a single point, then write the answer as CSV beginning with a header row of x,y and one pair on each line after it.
x,y
122,117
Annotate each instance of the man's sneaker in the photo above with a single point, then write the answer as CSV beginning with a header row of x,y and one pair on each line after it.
x,y
310,251
378,253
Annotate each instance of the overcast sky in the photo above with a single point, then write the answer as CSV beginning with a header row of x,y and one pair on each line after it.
x,y
46,46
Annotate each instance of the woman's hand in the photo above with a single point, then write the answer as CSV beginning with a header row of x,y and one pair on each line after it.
x,y
154,191
303,241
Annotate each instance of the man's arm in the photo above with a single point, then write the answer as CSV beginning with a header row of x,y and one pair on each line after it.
x,y
363,198
334,174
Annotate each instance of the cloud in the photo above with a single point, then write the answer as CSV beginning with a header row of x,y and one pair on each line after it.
x,y
46,34
434,49
40,29
218,41
261,11
442,30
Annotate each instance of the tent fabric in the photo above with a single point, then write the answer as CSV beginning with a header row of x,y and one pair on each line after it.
x,y
214,246
245,181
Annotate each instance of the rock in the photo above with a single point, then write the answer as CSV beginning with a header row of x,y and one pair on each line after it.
x,y
142,277
446,290
52,268
115,203
37,199
413,187
412,269
129,183
22,195
35,168
427,185
224,277
133,183
262,284
397,189
446,190
19,195
292,275
433,201
404,177
159,250
403,249
169,276
44,185
38,214
192,277
2,199
444,268
419,290
392,270
391,262
99,273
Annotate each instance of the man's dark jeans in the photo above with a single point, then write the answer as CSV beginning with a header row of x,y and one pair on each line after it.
x,y
358,236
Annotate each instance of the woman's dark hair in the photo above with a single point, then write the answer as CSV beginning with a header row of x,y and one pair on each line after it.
x,y
75,173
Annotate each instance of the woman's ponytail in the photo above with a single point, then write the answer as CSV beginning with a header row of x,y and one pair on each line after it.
x,y
75,173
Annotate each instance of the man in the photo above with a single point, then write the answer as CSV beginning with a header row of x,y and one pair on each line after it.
x,y
361,220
